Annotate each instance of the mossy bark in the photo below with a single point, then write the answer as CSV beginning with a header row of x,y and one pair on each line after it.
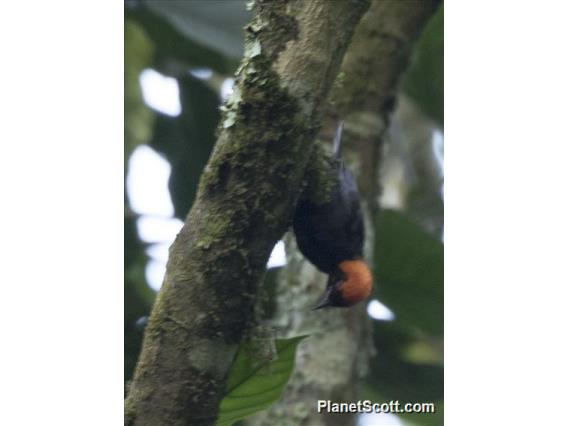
x,y
244,205
331,363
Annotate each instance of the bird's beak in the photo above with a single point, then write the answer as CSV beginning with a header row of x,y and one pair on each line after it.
x,y
322,304
324,301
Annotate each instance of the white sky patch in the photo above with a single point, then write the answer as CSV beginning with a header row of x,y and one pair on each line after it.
x,y
147,183
158,229
159,251
201,73
149,196
227,88
394,184
378,419
160,92
379,311
155,272
278,256
438,148
156,266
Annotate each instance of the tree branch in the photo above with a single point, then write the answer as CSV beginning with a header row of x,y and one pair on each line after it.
x,y
244,204
372,71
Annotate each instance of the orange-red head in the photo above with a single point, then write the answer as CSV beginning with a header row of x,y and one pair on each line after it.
x,y
352,284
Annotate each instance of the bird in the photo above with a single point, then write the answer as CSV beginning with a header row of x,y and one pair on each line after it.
x,y
331,236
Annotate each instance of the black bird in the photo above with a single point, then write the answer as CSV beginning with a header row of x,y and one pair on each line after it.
x,y
331,236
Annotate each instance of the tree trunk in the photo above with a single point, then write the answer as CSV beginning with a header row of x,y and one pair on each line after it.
x,y
332,361
244,204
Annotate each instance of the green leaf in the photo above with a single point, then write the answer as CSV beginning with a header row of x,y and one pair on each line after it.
x,y
255,384
410,273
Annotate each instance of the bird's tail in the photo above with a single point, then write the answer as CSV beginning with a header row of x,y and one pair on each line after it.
x,y
337,140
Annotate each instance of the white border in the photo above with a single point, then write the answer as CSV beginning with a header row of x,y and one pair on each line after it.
x,y
61,173
506,213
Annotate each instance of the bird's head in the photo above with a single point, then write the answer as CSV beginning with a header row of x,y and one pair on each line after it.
x,y
349,285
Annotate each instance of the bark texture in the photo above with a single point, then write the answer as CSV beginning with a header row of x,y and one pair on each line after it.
x,y
332,361
244,205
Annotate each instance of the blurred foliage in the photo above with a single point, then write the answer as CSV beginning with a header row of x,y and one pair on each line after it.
x,y
171,43
215,24
138,297
409,276
409,265
138,53
411,170
395,375
255,383
138,129
424,80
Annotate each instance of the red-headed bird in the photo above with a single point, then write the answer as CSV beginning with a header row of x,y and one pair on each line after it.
x,y
331,236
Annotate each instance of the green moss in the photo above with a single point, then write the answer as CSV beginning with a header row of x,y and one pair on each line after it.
x,y
261,124
214,232
129,412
